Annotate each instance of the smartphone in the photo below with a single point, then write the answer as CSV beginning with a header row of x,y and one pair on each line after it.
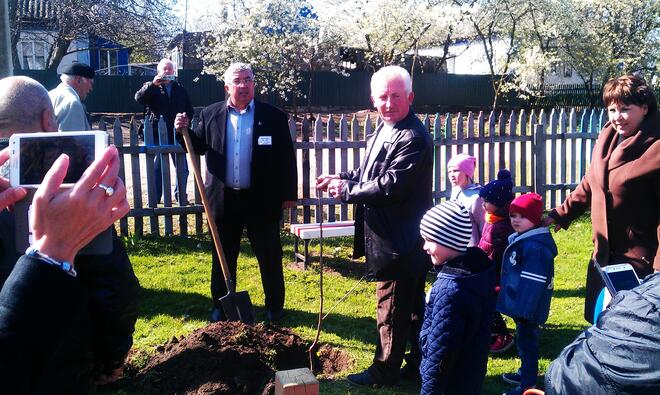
x,y
619,277
32,155
168,77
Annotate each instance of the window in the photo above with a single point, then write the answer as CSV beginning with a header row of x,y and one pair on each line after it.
x,y
568,71
33,54
108,59
554,67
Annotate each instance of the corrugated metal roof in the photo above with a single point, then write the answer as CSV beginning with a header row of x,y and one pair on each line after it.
x,y
35,9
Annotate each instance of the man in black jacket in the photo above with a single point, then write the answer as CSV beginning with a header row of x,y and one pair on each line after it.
x,y
101,338
392,191
251,176
165,97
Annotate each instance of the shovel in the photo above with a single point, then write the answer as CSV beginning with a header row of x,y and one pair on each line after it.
x,y
236,305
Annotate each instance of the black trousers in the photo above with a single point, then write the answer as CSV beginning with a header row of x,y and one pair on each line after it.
x,y
399,318
264,236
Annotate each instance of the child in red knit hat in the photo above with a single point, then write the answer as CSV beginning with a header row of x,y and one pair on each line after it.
x,y
526,285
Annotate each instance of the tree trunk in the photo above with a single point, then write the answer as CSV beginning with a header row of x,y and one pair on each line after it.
x,y
58,51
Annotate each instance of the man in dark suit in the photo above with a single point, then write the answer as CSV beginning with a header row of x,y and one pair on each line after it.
x,y
250,177
165,97
391,191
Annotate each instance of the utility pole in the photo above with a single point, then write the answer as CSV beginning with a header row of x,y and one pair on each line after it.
x,y
6,67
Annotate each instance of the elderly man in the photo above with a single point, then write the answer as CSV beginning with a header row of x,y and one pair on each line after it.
x,y
251,177
165,97
392,191
99,341
77,81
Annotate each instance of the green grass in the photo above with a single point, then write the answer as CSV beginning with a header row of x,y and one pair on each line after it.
x,y
175,300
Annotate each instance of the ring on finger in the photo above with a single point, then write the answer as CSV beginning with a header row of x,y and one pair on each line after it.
x,y
109,191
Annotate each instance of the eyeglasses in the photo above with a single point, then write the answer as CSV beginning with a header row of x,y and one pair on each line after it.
x,y
246,81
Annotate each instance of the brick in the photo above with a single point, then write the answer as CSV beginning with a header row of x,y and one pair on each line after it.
x,y
296,382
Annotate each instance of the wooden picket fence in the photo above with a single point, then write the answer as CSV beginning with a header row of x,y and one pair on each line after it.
x,y
546,153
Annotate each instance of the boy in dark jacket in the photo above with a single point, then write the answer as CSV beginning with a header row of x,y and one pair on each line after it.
x,y
526,285
455,336
497,196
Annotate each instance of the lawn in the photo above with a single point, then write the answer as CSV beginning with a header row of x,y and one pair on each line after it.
x,y
175,300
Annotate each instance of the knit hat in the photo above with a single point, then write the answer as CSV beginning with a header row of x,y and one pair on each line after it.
x,y
79,69
448,224
530,206
498,192
464,163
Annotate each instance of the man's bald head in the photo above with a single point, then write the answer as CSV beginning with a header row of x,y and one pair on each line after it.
x,y
25,107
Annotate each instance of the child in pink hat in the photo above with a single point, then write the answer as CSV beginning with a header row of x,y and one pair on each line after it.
x,y
460,169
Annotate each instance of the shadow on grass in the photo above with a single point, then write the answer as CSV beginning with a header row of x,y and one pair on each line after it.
x,y
154,302
553,339
569,293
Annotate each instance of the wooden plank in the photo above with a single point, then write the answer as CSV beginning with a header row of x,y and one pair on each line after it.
x,y
522,148
199,219
343,161
539,161
306,166
318,156
492,132
332,136
501,153
165,170
586,120
119,142
470,135
136,179
152,199
552,137
481,130
437,164
572,130
292,213
511,146
459,132
448,135
563,156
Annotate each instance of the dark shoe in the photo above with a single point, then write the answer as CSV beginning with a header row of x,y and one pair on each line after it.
x,y
501,344
512,378
410,373
217,315
365,378
274,316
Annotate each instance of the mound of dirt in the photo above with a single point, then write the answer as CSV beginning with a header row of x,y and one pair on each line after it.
x,y
230,358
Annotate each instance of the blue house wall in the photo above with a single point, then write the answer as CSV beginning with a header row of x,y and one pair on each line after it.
x,y
97,47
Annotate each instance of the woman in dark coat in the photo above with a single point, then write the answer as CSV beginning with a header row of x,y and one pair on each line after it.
x,y
622,185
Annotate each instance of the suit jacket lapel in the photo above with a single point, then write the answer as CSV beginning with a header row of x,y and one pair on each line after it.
x,y
220,118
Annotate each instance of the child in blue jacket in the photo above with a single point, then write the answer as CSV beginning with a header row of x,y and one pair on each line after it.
x,y
526,284
460,306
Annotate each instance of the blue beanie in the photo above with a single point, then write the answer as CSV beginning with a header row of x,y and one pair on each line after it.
x,y
498,192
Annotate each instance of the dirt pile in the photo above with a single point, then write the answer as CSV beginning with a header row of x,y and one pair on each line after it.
x,y
229,358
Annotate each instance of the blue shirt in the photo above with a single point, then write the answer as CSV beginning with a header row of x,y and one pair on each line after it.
x,y
238,146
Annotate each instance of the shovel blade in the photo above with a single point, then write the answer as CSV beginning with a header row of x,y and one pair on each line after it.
x,y
238,307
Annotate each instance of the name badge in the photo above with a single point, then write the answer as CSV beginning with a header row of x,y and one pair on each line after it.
x,y
265,140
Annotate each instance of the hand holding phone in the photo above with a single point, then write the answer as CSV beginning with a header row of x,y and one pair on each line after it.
x,y
32,155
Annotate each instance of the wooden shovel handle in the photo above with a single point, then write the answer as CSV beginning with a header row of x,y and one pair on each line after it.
x,y
229,281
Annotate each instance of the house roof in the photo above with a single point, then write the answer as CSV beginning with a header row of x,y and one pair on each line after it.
x,y
35,9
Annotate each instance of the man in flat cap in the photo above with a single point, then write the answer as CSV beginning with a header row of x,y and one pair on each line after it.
x,y
77,81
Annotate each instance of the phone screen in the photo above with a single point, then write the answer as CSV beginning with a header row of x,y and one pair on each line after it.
x,y
623,280
37,155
